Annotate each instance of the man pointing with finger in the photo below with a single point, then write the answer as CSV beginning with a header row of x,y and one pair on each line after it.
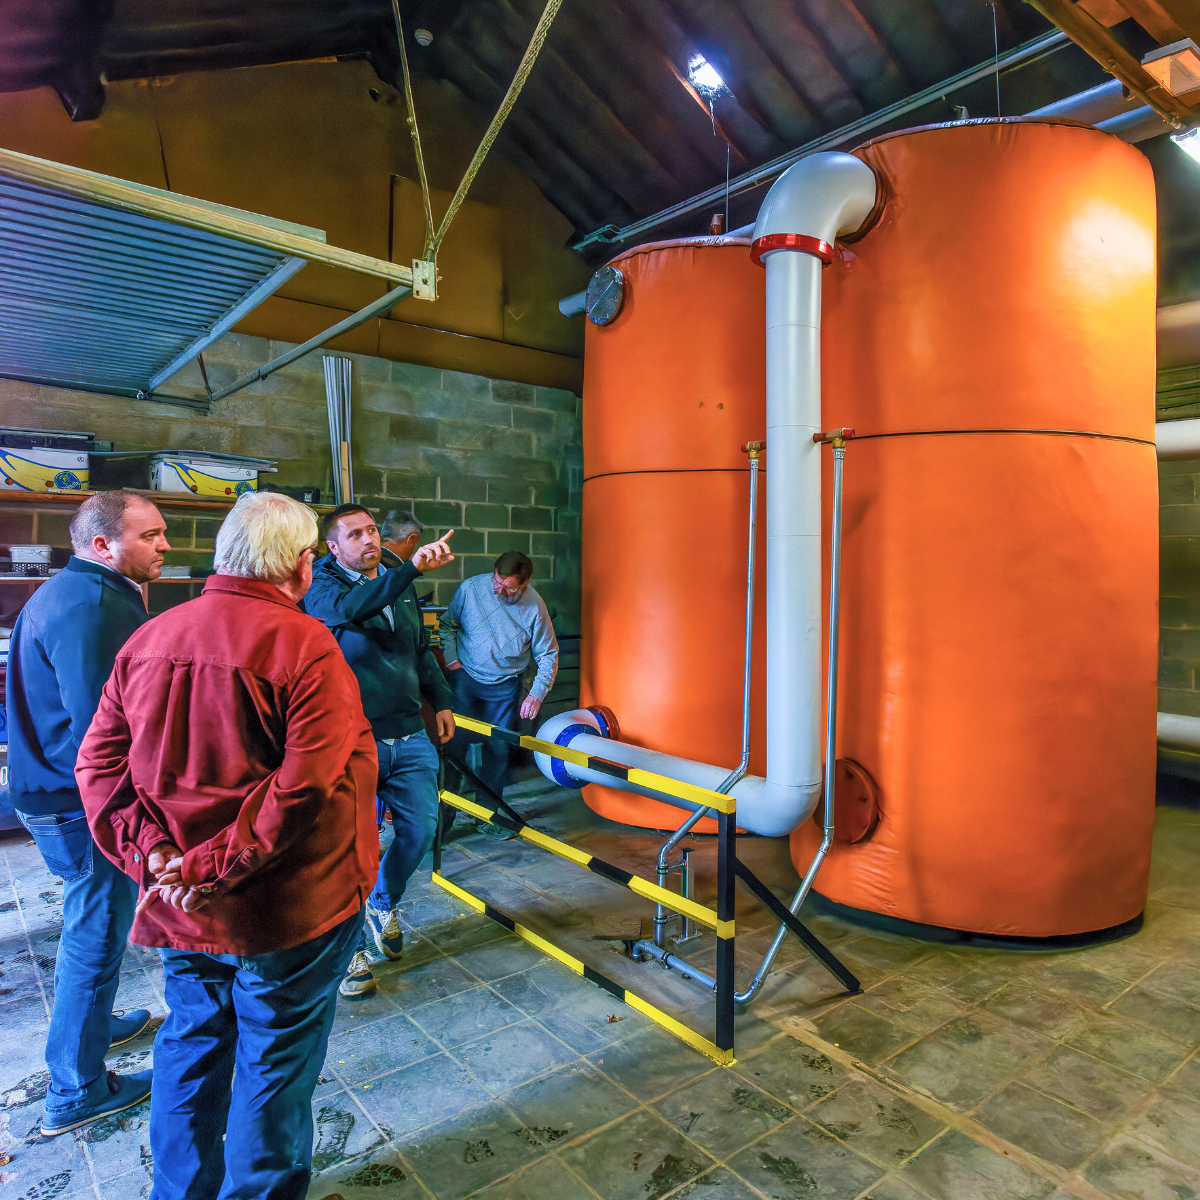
x,y
372,611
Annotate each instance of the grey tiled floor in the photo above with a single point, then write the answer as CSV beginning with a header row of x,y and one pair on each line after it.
x,y
482,1066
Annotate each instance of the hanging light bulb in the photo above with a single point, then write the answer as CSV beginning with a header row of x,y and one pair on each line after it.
x,y
704,77
1188,142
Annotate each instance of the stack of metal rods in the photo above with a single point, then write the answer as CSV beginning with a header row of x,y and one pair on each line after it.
x,y
337,401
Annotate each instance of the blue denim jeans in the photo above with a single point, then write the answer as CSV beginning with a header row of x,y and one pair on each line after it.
x,y
408,788
261,1025
496,703
98,903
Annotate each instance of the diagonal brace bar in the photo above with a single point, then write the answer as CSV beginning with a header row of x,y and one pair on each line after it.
x,y
815,946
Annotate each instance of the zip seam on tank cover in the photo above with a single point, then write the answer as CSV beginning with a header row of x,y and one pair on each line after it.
x,y
1113,437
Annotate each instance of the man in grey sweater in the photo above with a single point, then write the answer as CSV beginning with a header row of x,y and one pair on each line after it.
x,y
495,625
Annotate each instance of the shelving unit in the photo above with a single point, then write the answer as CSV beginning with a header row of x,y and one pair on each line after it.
x,y
45,517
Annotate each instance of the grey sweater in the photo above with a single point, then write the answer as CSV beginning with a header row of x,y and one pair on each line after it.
x,y
495,641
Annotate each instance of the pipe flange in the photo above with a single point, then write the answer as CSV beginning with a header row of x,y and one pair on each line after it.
x,y
790,241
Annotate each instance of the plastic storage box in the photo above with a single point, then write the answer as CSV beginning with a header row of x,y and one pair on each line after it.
x,y
198,472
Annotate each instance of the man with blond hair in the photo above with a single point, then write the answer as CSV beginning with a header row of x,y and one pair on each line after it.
x,y
63,649
231,773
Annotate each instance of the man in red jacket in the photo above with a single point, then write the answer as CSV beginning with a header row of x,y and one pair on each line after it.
x,y
230,771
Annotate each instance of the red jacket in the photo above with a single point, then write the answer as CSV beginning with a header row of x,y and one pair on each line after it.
x,y
232,726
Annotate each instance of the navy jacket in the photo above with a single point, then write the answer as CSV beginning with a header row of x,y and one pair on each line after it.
x,y
394,668
63,649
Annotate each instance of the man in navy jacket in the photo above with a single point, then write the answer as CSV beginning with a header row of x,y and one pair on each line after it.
x,y
63,649
371,609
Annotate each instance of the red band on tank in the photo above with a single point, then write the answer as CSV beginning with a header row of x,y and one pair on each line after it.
x,y
791,241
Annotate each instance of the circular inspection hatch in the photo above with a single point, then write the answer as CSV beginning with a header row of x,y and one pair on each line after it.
x,y
605,295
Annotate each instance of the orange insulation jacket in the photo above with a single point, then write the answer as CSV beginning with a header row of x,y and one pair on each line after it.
x,y
1000,589
672,389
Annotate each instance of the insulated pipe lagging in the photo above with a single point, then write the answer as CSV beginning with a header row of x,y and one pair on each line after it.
x,y
812,203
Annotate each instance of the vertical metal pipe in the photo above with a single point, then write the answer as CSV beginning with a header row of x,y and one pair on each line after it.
x,y
831,676
661,917
753,449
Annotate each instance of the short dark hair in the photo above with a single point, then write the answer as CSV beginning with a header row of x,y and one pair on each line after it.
x,y
102,515
330,519
513,562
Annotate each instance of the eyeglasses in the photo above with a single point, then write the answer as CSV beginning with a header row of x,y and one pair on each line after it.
x,y
502,589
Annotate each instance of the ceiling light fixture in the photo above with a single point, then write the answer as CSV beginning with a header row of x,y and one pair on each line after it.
x,y
704,77
1188,142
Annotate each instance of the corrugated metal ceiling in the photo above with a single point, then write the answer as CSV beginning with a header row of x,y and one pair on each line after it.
x,y
107,300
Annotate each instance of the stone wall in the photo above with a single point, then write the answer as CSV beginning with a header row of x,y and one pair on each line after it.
x,y
496,461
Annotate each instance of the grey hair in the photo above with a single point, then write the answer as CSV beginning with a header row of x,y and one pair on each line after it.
x,y
397,526
103,515
264,536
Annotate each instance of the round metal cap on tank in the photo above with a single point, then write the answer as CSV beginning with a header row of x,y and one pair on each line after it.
x,y
992,339
673,387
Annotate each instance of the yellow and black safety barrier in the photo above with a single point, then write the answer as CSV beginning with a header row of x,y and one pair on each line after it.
x,y
635,883
719,918
723,1057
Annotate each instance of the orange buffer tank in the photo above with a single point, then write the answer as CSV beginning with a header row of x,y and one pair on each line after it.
x,y
672,389
992,336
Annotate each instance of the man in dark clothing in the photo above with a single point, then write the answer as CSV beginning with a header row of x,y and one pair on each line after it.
x,y
63,648
372,610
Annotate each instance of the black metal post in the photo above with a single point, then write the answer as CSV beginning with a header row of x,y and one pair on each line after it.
x,y
726,881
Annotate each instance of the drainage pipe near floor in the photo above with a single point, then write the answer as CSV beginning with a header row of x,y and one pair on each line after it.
x,y
814,202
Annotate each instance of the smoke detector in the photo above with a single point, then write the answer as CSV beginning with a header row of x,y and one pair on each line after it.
x,y
423,37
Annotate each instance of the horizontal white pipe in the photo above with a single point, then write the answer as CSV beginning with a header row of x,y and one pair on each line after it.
x,y
1177,730
761,808
1177,439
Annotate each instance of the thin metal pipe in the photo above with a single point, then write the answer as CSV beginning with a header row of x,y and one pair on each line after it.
x,y
835,596
374,309
754,449
661,917
673,960
831,678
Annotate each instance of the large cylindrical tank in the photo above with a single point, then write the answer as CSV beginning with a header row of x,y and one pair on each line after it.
x,y
992,340
673,388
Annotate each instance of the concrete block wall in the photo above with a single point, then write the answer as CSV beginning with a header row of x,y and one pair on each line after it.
x,y
1179,591
499,462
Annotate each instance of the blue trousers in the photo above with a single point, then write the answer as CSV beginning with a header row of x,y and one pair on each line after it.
x,y
261,1025
496,703
98,903
408,788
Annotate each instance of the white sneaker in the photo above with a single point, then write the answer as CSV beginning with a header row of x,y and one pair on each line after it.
x,y
359,981
384,927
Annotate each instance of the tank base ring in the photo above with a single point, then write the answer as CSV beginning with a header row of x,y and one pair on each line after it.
x,y
962,937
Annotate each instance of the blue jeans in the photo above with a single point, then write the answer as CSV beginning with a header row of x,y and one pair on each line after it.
x,y
98,903
261,1025
408,788
496,703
